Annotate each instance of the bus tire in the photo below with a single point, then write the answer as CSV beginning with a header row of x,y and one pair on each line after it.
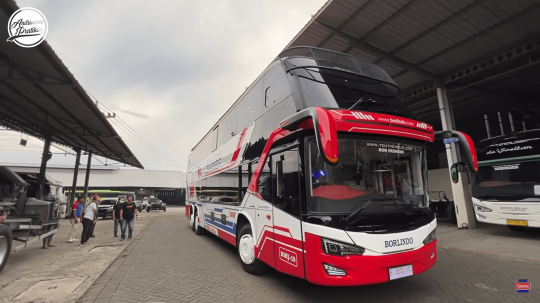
x,y
5,245
199,231
245,244
516,228
451,212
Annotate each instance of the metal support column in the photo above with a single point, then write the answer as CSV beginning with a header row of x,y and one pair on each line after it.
x,y
44,158
460,191
87,179
75,175
487,126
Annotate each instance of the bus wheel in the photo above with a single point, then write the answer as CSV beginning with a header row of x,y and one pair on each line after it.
x,y
5,245
199,231
516,228
246,252
193,221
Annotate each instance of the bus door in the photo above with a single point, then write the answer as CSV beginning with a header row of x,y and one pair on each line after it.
x,y
288,246
264,219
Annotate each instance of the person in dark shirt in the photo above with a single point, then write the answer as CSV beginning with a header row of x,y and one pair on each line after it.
x,y
116,215
128,213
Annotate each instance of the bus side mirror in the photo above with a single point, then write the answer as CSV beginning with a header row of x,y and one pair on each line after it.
x,y
324,127
454,172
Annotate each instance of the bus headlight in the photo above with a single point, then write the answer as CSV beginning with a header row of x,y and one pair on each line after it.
x,y
430,238
482,208
335,248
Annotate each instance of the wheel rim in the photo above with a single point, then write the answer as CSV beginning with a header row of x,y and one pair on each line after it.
x,y
3,248
245,249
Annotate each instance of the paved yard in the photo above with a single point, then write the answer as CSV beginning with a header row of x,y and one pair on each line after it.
x,y
169,263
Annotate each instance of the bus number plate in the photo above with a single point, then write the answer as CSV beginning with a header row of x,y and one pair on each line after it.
x,y
400,272
517,222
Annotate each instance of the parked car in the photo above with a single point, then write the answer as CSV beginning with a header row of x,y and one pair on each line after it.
x,y
105,207
154,203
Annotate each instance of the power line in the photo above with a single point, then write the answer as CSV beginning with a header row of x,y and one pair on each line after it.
x,y
145,146
134,132
135,136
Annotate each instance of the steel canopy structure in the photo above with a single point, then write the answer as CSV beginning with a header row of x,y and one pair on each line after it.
x,y
424,45
40,97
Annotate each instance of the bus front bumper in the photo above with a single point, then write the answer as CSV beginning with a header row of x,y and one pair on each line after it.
x,y
501,212
363,270
502,219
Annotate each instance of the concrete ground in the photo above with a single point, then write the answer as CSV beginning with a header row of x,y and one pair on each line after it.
x,y
63,273
169,263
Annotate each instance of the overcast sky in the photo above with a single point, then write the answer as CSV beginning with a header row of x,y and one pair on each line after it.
x,y
169,69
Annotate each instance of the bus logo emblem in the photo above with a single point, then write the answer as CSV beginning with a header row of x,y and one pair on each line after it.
x,y
421,125
360,116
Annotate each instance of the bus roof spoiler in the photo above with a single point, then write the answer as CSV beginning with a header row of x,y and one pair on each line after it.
x,y
465,142
322,122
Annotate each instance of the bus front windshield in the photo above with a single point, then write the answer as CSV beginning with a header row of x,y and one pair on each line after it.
x,y
389,173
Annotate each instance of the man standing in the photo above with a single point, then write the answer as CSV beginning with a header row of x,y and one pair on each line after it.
x,y
95,199
89,218
116,215
128,213
75,218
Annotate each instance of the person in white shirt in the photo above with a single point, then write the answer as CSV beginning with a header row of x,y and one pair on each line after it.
x,y
89,218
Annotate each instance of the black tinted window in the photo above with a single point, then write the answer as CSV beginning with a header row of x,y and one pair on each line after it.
x,y
334,89
227,128
276,87
250,108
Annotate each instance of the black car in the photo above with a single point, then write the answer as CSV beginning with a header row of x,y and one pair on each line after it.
x,y
154,203
105,207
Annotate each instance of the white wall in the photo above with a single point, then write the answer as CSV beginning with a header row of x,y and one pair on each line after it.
x,y
439,180
112,176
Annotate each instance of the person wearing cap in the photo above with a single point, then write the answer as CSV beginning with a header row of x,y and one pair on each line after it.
x,y
89,219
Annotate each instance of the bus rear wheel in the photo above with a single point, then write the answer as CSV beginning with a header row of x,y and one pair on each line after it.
x,y
516,228
199,231
5,245
245,246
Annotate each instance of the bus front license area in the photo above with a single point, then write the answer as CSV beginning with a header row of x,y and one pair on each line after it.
x,y
517,222
400,272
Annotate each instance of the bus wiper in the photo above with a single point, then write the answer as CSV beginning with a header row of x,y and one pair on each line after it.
x,y
356,103
349,217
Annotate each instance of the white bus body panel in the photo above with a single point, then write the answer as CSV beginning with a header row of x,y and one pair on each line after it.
x,y
508,210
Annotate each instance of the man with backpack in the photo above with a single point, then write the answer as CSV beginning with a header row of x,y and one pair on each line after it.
x,y
89,219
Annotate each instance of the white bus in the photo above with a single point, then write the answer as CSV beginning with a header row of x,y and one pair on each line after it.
x,y
506,189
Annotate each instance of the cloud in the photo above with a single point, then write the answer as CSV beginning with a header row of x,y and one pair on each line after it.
x,y
169,69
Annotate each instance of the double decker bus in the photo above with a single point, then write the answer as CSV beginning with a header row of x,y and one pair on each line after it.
x,y
506,188
329,170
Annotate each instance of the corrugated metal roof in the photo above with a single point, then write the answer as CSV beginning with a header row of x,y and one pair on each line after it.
x,y
425,44
439,36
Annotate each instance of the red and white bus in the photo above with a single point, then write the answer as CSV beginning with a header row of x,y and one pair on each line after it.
x,y
319,171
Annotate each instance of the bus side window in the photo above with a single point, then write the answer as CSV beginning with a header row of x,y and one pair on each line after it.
x,y
286,182
276,87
